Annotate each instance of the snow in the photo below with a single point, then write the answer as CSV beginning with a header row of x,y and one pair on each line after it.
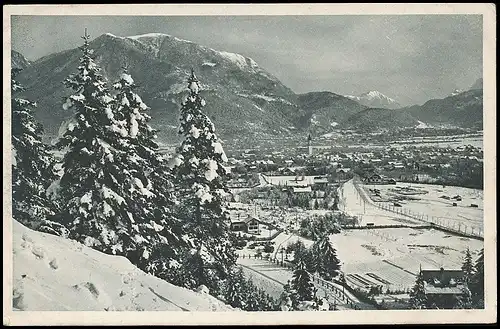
x,y
110,194
237,59
258,108
13,156
107,99
195,132
194,160
134,126
109,113
125,101
219,150
175,161
67,104
127,78
209,64
422,125
144,191
211,172
202,192
86,198
193,86
51,273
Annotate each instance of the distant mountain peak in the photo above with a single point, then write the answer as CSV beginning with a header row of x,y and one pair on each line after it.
x,y
375,98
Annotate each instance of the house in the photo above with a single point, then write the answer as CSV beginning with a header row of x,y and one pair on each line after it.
x,y
246,224
442,287
320,181
373,179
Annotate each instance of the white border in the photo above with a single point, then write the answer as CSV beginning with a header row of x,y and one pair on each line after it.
x,y
340,317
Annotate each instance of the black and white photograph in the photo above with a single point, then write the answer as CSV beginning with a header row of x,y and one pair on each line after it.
x,y
255,164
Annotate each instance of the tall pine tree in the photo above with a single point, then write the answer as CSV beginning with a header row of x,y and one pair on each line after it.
x,y
302,283
325,261
418,299
198,166
476,285
468,266
102,175
32,167
152,191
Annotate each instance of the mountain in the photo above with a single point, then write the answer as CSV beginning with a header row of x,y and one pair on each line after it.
x,y
372,119
56,274
375,99
464,110
18,60
242,98
477,85
325,110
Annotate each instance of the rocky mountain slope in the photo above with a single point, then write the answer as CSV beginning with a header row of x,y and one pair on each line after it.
x,y
326,110
463,109
242,98
18,60
372,119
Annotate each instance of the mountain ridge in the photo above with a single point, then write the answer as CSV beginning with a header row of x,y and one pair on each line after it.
x,y
243,99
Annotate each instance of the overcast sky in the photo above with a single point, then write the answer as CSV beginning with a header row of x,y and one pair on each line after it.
x,y
411,58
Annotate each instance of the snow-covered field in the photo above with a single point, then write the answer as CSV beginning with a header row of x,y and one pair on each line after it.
x,y
432,204
353,204
396,254
51,273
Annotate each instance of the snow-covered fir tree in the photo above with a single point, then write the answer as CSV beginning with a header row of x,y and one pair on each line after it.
x,y
102,178
151,194
468,266
302,283
234,289
32,168
476,284
325,260
200,172
418,299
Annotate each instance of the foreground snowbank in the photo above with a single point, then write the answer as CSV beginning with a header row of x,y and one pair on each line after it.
x,y
55,274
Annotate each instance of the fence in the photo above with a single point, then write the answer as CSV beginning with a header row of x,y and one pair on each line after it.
x,y
338,294
436,222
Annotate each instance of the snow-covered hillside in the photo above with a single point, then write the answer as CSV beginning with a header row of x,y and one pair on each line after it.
x,y
56,274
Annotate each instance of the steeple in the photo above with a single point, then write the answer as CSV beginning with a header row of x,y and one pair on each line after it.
x,y
309,138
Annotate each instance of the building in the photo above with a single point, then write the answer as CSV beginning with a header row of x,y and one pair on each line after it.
x,y
320,181
443,287
247,224
301,190
378,179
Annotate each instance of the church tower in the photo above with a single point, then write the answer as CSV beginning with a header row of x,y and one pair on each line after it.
x,y
309,144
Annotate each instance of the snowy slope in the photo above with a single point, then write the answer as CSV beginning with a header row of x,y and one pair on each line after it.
x,y
56,274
